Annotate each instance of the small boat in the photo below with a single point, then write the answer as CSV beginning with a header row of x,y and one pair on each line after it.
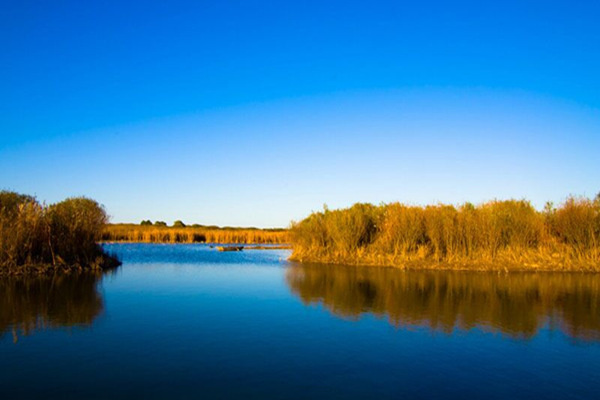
x,y
230,248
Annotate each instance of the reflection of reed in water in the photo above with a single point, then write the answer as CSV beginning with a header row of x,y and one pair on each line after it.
x,y
517,304
36,303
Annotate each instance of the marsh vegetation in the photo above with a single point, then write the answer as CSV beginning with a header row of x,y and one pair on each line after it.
x,y
505,235
42,238
180,233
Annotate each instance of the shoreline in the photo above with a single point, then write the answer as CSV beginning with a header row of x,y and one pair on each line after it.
x,y
103,263
500,265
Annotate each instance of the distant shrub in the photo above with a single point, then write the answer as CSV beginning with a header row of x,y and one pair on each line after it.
x,y
178,224
146,222
160,223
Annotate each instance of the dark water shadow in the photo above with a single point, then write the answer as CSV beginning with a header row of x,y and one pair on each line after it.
x,y
516,304
30,304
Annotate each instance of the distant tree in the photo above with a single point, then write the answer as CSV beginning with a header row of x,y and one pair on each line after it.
x,y
178,224
146,222
160,223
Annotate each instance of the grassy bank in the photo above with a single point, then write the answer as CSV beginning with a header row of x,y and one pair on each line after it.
x,y
504,235
191,234
39,238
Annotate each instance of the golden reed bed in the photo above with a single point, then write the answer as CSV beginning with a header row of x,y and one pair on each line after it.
x,y
497,235
164,234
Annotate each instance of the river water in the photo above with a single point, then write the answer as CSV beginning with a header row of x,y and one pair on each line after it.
x,y
187,321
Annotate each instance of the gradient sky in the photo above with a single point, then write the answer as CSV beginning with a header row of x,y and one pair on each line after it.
x,y
256,113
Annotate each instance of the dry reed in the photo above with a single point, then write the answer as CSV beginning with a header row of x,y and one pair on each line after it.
x,y
190,234
39,238
507,234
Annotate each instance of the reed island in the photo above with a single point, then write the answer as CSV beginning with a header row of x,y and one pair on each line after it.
x,y
496,235
40,239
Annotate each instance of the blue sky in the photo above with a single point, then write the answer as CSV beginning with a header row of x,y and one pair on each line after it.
x,y
254,113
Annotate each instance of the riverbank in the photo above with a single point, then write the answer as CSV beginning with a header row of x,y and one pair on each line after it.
x,y
102,263
507,262
498,235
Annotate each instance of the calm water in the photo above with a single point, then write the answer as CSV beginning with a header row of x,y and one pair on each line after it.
x,y
185,321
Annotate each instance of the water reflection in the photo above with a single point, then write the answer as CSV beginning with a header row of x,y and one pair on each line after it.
x,y
28,304
518,305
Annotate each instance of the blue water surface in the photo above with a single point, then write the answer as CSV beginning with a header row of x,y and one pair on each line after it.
x,y
187,321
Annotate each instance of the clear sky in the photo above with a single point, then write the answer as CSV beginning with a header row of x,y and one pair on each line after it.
x,y
258,112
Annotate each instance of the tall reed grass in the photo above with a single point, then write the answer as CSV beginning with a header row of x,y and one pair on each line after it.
x,y
509,234
190,234
37,237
